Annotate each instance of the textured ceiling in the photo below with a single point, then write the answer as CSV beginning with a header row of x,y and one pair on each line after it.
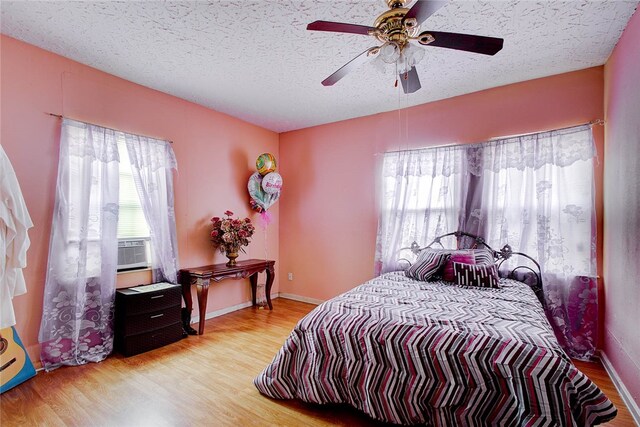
x,y
255,59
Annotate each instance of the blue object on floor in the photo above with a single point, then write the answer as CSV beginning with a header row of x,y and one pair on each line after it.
x,y
15,365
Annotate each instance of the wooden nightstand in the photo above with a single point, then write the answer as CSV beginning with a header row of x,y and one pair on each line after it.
x,y
147,317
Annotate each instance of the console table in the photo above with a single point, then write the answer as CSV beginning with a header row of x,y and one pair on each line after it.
x,y
202,277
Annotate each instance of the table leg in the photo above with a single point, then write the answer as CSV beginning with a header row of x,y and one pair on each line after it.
x,y
185,282
203,292
254,287
270,276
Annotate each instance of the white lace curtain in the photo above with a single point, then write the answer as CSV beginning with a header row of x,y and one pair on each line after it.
x,y
152,162
77,320
534,192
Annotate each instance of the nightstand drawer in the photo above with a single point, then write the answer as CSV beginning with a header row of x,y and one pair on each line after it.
x,y
146,341
131,302
146,322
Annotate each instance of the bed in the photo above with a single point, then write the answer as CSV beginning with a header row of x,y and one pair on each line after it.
x,y
412,352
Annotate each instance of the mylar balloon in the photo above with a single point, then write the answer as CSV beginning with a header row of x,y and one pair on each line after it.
x,y
272,183
260,200
266,163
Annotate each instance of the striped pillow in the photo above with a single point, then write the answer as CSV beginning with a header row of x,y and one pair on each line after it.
x,y
427,265
483,276
484,256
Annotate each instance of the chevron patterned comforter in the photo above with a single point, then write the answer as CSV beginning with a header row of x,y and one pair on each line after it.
x,y
433,353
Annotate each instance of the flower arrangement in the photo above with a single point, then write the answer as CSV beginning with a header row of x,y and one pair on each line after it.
x,y
231,234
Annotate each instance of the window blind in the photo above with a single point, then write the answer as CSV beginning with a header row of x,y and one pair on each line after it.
x,y
131,220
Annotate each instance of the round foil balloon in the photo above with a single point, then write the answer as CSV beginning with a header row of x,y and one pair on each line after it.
x,y
272,183
260,200
266,163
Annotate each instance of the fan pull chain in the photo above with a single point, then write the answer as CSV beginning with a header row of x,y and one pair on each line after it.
x,y
406,118
396,83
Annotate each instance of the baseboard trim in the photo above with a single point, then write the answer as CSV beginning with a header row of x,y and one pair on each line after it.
x,y
624,393
226,310
301,298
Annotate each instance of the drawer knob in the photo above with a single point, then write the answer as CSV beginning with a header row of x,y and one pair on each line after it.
x,y
157,296
157,315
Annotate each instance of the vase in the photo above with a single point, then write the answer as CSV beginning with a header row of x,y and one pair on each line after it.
x,y
232,255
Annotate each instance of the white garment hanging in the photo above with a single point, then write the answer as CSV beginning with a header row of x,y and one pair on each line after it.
x,y
14,240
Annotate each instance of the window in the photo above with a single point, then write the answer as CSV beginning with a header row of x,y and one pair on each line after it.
x,y
421,198
534,192
133,230
131,222
428,204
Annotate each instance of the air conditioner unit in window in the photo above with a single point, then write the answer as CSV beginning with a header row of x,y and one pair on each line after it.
x,y
132,253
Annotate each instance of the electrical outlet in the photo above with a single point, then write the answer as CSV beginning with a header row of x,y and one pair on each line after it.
x,y
290,276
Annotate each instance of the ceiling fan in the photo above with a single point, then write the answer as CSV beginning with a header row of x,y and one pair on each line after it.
x,y
396,28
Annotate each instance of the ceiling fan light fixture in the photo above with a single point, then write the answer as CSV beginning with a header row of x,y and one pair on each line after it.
x,y
409,57
414,54
390,52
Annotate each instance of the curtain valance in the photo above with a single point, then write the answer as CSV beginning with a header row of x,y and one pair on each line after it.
x,y
558,148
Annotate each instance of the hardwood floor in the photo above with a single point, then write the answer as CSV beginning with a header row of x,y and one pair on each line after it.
x,y
202,380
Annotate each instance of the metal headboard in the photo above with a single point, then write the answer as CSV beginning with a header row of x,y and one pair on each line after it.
x,y
500,256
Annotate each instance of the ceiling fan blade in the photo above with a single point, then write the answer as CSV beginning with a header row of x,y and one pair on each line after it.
x,y
347,68
410,81
422,9
339,27
466,42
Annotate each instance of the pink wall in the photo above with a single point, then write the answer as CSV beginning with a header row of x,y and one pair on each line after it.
x,y
329,214
216,155
622,208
